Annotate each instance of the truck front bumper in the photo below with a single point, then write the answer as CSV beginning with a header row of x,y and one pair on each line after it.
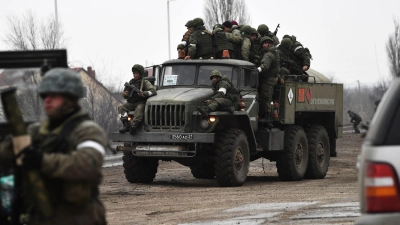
x,y
164,137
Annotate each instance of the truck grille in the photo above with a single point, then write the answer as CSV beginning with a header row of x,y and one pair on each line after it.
x,y
170,116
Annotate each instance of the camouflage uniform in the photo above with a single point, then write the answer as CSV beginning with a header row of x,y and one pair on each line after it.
x,y
355,120
299,55
200,41
247,44
221,40
224,98
264,31
185,40
236,39
136,102
257,52
71,150
269,74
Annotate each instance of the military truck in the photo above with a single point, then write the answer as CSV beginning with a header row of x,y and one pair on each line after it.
x,y
302,138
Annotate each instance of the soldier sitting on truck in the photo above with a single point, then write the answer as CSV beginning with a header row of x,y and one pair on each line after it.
x,y
136,92
224,98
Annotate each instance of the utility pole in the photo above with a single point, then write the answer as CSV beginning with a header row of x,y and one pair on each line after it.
x,y
56,14
169,35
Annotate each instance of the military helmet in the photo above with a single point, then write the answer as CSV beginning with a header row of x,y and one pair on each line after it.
x,y
61,81
287,42
293,38
246,29
262,29
215,73
266,38
196,22
139,68
189,23
218,26
254,31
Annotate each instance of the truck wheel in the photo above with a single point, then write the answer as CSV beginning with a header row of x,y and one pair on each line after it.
x,y
232,158
319,152
203,170
139,170
292,163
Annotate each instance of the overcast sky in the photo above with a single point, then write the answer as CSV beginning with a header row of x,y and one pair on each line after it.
x,y
347,39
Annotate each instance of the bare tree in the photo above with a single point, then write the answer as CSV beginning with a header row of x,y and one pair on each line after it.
x,y
28,32
219,11
393,50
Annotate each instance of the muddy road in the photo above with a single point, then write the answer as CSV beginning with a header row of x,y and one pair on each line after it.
x,y
176,197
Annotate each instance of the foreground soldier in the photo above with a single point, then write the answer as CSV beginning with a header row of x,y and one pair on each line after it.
x,y
269,74
67,150
355,120
301,56
224,98
135,100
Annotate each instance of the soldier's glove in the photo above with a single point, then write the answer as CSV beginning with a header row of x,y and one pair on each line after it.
x,y
32,158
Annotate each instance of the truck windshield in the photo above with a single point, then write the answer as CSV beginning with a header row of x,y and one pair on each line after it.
x,y
181,75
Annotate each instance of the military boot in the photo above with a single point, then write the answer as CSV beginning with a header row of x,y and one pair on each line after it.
x,y
265,119
125,124
134,128
204,111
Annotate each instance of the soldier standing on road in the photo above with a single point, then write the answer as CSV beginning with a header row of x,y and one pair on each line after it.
x,y
355,120
200,42
268,76
183,46
67,150
137,100
224,98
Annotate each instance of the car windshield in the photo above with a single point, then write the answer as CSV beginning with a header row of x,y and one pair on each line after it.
x,y
180,75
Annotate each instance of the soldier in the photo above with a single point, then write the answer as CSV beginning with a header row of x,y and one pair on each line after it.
x,y
263,30
200,42
221,40
256,53
224,98
135,100
182,48
286,60
67,151
355,120
235,37
269,74
301,56
247,44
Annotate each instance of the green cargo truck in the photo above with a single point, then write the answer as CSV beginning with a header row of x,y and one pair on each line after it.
x,y
302,138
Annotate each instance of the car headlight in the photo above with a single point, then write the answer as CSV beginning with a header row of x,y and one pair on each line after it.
x,y
204,124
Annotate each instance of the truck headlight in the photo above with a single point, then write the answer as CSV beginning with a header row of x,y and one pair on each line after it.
x,y
204,124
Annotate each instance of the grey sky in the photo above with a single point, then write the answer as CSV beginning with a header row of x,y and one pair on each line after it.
x,y
347,39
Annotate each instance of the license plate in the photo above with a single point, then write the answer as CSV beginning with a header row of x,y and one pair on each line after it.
x,y
181,136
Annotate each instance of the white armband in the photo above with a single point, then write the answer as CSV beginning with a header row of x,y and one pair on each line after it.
x,y
194,45
223,90
184,43
298,48
92,144
259,69
150,93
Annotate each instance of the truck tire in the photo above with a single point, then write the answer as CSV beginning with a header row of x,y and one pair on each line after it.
x,y
139,170
203,170
232,158
292,163
319,152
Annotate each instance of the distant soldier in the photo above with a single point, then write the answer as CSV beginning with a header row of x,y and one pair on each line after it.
x,y
136,100
299,54
264,31
247,44
221,41
183,46
200,42
268,76
224,98
355,120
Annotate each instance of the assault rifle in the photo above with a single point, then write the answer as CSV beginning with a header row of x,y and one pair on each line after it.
x,y
276,29
292,66
134,89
